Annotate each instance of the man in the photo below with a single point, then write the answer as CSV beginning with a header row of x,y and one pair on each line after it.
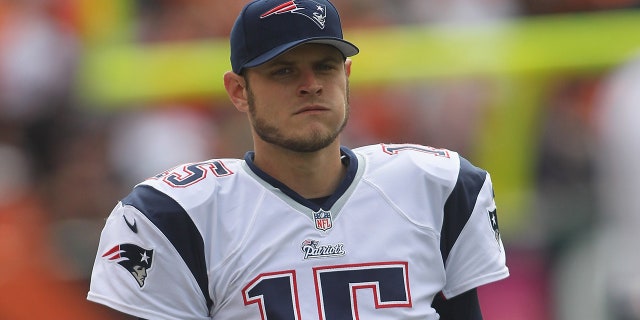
x,y
302,227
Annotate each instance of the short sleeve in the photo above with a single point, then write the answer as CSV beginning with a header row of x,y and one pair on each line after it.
x,y
138,270
473,252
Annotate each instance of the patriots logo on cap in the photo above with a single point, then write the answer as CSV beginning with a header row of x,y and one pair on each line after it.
x,y
135,259
310,9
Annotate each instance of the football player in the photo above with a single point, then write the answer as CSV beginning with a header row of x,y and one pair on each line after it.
x,y
302,227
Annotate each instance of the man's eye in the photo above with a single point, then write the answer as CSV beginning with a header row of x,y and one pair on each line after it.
x,y
282,71
326,67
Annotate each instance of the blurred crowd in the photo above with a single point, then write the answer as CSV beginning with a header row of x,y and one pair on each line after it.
x,y
64,164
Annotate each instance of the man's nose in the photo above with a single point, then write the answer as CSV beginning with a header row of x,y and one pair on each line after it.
x,y
309,83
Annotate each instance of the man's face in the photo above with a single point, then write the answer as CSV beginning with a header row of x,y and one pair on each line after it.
x,y
299,100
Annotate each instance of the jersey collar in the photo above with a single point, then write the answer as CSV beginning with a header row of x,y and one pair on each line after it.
x,y
348,158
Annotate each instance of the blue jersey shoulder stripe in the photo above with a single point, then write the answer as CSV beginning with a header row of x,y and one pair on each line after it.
x,y
460,204
174,222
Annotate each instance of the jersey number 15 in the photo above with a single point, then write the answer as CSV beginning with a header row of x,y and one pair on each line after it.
x,y
336,287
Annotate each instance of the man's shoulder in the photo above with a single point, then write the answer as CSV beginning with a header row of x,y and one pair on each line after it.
x,y
396,167
192,183
399,148
409,156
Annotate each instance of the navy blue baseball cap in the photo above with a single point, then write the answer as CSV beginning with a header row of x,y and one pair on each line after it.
x,y
265,29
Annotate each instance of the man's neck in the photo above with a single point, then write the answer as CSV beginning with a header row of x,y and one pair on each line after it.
x,y
310,174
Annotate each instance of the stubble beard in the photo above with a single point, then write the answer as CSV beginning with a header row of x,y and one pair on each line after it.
x,y
315,141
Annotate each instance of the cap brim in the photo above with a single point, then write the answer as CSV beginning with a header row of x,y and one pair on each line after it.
x,y
347,48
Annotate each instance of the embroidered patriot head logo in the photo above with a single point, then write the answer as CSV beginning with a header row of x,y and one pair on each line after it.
x,y
135,259
313,10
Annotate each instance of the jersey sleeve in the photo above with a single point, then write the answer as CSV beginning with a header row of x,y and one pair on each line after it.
x,y
150,260
471,246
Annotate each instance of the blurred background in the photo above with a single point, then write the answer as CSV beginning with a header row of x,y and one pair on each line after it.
x,y
96,96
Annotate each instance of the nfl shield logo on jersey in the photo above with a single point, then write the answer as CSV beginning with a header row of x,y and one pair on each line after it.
x,y
323,220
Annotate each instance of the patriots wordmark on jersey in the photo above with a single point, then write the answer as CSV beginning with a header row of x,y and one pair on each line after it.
x,y
221,239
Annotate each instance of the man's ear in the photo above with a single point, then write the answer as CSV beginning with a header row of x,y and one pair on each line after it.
x,y
235,85
347,66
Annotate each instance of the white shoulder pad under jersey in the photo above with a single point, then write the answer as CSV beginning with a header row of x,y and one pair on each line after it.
x,y
151,258
222,240
439,189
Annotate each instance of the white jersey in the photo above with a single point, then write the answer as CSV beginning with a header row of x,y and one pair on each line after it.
x,y
223,240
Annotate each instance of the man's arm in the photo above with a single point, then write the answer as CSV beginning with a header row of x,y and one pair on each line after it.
x,y
461,307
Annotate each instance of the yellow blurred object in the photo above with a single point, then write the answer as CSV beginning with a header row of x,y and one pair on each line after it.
x,y
104,21
126,73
